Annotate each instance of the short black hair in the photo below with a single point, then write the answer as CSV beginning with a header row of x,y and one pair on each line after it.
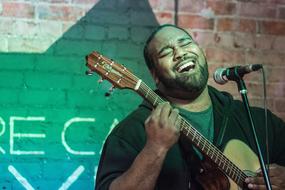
x,y
147,56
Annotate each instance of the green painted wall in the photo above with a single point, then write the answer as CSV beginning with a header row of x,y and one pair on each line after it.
x,y
53,117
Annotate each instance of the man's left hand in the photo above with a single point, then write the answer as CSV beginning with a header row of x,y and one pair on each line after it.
x,y
276,175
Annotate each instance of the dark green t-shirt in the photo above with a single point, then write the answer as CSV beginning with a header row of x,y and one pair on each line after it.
x,y
202,121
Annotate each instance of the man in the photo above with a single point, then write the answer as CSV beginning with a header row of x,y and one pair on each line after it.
x,y
146,150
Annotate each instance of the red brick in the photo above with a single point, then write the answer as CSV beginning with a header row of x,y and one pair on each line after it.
x,y
280,2
191,6
243,40
279,44
195,22
272,27
264,42
82,1
280,105
269,58
225,55
242,25
64,12
258,10
230,87
246,25
227,24
7,26
258,1
225,40
164,18
258,102
280,115
275,74
204,38
274,90
222,7
18,9
281,12
54,1
161,5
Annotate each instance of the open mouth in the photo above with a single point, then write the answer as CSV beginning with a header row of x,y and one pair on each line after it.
x,y
186,65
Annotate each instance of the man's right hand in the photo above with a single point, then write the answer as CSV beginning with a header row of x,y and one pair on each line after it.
x,y
162,127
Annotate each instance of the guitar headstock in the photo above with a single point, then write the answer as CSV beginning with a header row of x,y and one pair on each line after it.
x,y
115,73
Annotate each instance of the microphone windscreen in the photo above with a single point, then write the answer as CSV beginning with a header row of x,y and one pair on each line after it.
x,y
218,76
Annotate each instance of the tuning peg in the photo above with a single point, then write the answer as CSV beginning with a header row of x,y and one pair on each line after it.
x,y
111,88
100,80
109,93
89,72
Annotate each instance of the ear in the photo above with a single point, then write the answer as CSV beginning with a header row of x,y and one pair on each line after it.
x,y
154,76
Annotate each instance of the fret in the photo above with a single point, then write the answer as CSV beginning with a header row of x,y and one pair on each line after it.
x,y
220,162
230,172
227,170
195,133
238,178
199,139
204,147
235,175
188,131
213,153
224,166
148,90
182,124
155,100
208,151
216,158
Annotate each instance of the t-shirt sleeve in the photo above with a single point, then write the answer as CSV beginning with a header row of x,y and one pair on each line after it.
x,y
117,156
121,147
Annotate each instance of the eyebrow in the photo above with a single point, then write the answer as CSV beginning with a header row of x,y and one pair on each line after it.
x,y
179,41
183,39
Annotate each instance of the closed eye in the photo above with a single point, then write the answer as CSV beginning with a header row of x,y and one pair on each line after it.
x,y
185,42
165,52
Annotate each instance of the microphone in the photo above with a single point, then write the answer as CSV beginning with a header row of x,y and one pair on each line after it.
x,y
223,75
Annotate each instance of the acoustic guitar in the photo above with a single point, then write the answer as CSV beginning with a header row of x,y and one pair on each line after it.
x,y
237,161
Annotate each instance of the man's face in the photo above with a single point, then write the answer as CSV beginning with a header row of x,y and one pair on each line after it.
x,y
179,64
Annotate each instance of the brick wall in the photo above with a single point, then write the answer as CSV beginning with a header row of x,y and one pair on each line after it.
x,y
54,118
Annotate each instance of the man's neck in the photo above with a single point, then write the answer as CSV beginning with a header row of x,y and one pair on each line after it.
x,y
201,103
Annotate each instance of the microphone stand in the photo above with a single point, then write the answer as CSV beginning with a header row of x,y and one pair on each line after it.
x,y
243,91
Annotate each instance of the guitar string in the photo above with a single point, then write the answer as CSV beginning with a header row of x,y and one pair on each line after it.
x,y
152,95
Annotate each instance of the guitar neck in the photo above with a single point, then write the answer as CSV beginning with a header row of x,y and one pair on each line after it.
x,y
197,138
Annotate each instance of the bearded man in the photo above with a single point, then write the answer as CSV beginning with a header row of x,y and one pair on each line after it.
x,y
147,150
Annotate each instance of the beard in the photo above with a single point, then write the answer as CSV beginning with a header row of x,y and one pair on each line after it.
x,y
192,84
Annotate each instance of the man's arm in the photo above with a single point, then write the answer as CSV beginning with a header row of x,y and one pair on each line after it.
x,y
162,129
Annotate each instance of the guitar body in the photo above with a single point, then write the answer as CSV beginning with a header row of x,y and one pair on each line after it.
x,y
243,157
212,178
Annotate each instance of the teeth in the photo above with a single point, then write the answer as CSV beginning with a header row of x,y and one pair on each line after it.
x,y
188,64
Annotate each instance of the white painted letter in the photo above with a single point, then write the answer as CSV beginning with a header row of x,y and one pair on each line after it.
x,y
67,147
24,135
23,181
2,132
71,179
